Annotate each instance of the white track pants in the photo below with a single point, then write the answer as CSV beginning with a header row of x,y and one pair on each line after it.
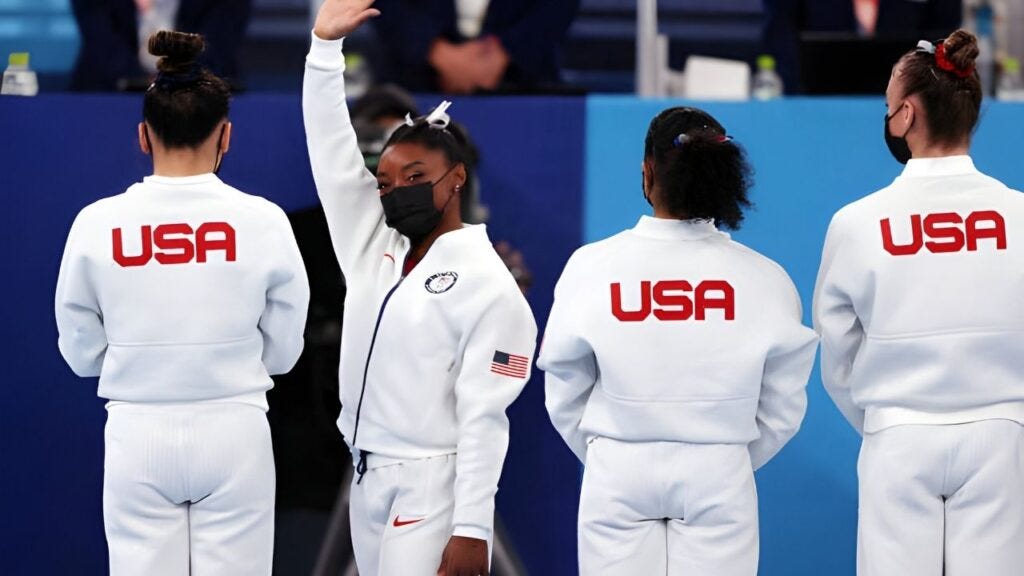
x,y
188,490
952,493
656,508
401,515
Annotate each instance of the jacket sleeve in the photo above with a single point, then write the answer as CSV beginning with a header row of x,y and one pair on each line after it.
x,y
483,391
840,328
347,190
283,321
81,338
783,400
570,368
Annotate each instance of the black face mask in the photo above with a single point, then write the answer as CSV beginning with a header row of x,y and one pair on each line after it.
x,y
897,144
410,210
220,157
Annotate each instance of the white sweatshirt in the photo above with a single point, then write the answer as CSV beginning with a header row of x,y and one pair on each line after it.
x,y
181,290
429,362
918,300
671,331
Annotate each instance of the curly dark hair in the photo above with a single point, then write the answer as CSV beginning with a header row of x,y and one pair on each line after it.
x,y
698,170
186,101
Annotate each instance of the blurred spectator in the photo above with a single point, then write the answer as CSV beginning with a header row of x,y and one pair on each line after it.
x,y
938,17
466,46
786,20
114,34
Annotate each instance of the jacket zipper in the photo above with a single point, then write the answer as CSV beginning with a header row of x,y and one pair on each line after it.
x,y
369,354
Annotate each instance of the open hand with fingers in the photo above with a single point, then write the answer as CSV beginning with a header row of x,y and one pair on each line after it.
x,y
339,18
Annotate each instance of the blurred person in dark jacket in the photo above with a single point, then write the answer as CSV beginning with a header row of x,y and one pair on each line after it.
x,y
466,46
113,52
785,20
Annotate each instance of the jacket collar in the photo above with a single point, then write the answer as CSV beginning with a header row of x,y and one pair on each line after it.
x,y
668,229
945,166
207,178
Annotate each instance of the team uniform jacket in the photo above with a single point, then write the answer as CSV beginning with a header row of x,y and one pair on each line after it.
x,y
431,361
671,331
182,290
918,300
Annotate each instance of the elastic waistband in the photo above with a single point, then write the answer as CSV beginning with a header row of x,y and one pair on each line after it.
x,y
878,418
373,461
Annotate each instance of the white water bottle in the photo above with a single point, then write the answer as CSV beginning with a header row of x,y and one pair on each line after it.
x,y
19,80
767,84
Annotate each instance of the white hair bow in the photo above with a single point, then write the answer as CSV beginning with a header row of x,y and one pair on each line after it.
x,y
926,46
438,117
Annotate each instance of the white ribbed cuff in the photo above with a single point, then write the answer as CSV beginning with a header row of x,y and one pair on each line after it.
x,y
325,53
472,531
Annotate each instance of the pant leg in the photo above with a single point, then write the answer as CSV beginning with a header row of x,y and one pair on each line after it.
x,y
713,529
419,524
900,530
369,506
232,482
985,515
621,530
145,518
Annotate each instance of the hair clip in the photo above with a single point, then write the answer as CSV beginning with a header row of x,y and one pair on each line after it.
x,y
926,46
438,117
408,120
678,141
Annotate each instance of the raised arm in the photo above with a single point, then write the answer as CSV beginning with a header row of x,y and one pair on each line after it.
x,y
81,337
346,188
840,328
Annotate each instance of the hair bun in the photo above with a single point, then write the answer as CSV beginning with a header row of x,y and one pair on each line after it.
x,y
178,50
961,49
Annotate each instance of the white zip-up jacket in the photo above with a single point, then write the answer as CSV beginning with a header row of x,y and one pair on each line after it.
x,y
918,300
181,290
671,331
429,362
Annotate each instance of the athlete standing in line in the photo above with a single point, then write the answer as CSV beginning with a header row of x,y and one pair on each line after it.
x,y
184,295
918,305
676,366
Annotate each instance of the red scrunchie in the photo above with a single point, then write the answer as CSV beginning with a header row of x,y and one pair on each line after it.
x,y
945,64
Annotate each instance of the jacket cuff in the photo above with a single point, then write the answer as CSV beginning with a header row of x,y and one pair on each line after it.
x,y
326,53
472,531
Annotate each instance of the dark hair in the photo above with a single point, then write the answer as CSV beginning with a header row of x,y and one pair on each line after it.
x,y
951,97
186,101
699,171
449,140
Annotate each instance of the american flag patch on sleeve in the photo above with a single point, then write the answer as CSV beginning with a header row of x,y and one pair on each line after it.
x,y
510,365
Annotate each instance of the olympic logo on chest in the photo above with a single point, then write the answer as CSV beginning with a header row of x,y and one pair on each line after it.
x,y
441,283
